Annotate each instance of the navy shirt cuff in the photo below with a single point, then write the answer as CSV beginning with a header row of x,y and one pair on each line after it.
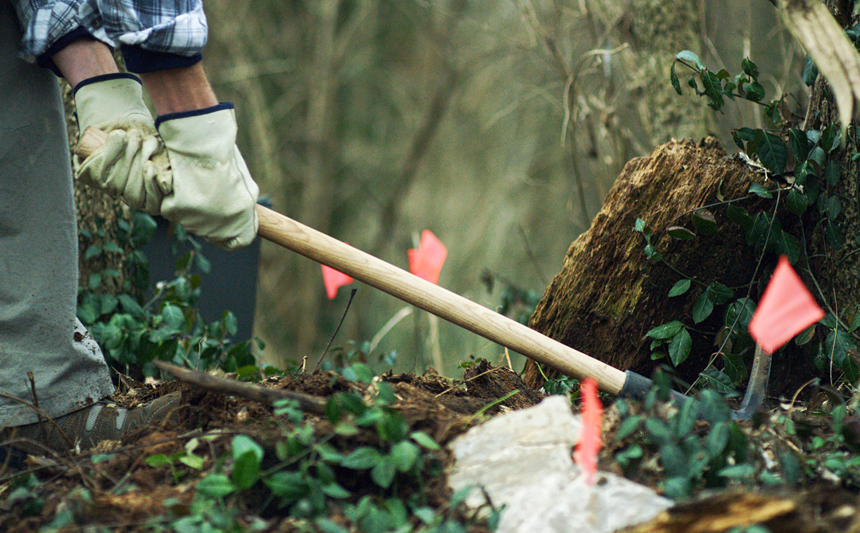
x,y
141,61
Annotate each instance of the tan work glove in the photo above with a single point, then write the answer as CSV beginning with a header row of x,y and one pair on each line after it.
x,y
133,163
213,194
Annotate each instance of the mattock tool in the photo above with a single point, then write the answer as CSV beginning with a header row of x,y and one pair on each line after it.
x,y
432,298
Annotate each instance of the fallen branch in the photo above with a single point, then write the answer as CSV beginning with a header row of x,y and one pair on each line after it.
x,y
307,403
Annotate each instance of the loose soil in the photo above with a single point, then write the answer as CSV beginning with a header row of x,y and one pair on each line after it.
x,y
123,493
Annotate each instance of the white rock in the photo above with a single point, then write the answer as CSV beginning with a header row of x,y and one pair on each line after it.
x,y
523,461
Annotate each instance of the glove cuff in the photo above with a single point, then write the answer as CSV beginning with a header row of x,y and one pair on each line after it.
x,y
193,113
112,101
106,77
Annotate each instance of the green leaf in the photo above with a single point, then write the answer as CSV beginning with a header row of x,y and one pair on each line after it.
x,y
829,138
674,78
773,153
713,88
193,461
243,444
705,222
760,190
215,486
739,471
833,234
404,454
739,216
246,470
362,458
796,202
424,440
628,426
837,346
810,71
743,307
358,372
333,490
720,294
173,317
665,331
750,68
679,348
805,336
158,460
680,287
228,319
658,431
680,233
832,172
829,206
383,472
92,251
717,439
287,485
787,244
690,57
754,91
703,307
639,225
798,144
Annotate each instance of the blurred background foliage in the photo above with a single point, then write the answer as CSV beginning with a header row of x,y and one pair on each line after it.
x,y
498,125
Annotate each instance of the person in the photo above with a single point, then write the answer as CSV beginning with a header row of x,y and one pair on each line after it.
x,y
184,164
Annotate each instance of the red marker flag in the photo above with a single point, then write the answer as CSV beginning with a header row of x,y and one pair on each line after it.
x,y
333,280
786,308
585,454
426,262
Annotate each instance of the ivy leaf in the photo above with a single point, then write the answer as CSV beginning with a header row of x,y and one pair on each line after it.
x,y
713,88
705,222
750,68
674,78
639,225
788,245
703,307
796,202
719,293
681,233
760,190
798,143
773,153
837,345
665,331
679,348
690,57
404,454
810,72
363,458
215,486
832,172
680,287
383,472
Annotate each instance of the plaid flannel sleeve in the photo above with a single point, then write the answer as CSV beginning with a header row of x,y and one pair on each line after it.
x,y
173,27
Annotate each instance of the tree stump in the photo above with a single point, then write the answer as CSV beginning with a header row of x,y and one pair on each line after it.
x,y
608,296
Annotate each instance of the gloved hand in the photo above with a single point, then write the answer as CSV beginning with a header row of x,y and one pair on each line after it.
x,y
133,163
213,194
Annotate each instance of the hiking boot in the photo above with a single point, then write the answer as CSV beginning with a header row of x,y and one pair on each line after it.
x,y
84,428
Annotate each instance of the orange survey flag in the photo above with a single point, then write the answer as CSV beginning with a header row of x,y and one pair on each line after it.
x,y
786,308
333,280
426,262
590,442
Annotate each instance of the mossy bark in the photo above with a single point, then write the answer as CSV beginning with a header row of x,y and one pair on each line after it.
x,y
608,296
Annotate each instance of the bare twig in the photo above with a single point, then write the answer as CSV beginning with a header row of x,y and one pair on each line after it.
x,y
308,403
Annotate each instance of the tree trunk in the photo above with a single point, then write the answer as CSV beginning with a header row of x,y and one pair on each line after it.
x,y
607,296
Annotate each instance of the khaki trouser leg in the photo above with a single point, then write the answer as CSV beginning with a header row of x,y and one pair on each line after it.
x,y
38,248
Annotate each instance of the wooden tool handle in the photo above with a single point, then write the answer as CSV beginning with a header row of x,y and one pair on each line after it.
x,y
443,303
